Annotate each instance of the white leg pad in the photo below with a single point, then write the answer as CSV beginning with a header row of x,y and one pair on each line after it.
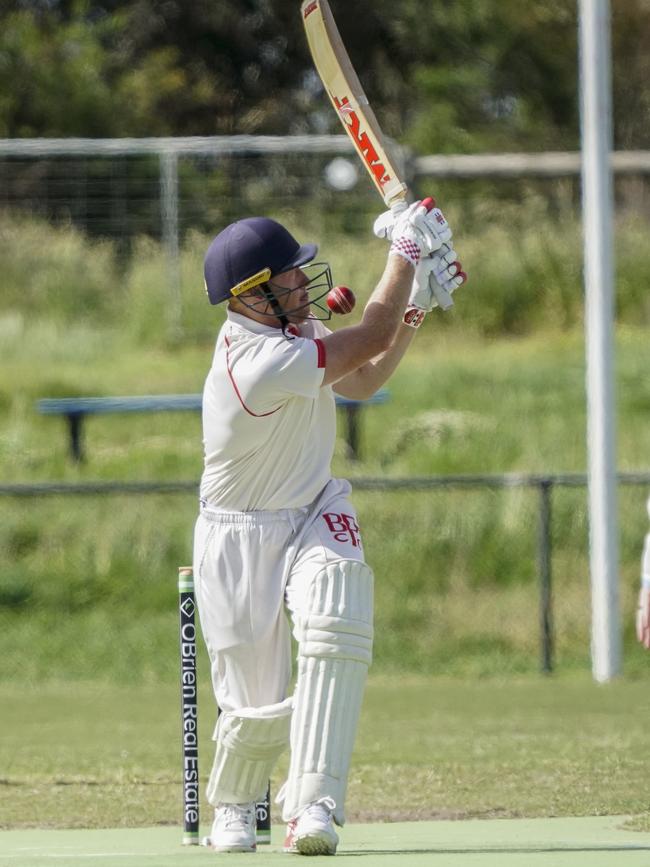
x,y
334,653
249,742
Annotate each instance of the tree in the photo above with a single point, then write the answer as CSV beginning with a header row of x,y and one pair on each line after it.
x,y
455,75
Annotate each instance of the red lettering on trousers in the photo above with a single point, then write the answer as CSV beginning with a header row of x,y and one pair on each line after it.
x,y
343,528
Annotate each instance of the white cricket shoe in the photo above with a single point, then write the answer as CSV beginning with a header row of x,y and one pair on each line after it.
x,y
312,831
233,829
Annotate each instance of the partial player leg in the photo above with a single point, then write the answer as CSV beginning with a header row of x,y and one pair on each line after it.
x,y
248,744
240,566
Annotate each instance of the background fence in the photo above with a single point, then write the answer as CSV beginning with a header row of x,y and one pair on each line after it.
x,y
462,584
163,187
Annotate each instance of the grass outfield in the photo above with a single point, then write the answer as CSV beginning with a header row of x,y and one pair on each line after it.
x,y
85,756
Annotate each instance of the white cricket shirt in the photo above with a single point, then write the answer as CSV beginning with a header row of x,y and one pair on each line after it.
x,y
269,426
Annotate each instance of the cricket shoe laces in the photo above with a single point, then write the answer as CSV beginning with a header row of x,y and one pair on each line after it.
x,y
233,829
312,831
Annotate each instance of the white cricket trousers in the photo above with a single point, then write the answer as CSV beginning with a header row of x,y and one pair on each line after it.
x,y
250,569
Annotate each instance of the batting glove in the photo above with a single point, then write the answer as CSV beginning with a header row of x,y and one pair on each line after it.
x,y
408,231
436,277
424,216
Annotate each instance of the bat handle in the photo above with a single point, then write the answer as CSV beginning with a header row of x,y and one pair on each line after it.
x,y
399,205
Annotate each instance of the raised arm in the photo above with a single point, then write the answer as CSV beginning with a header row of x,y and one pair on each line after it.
x,y
437,274
363,382
350,348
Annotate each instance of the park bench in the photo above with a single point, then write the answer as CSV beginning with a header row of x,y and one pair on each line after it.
x,y
75,410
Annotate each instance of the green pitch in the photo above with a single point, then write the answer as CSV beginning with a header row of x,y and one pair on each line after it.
x,y
596,842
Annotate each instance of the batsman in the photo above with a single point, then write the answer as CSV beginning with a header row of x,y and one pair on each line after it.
x,y
277,544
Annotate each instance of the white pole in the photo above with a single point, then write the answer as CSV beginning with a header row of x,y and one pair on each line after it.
x,y
169,216
597,207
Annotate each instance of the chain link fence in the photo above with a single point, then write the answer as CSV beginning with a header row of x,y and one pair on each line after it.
x,y
474,575
120,188
128,189
164,188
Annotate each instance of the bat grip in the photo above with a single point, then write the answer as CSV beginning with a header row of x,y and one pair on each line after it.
x,y
400,205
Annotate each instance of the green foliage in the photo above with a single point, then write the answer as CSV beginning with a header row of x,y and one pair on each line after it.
x,y
139,68
632,298
52,78
529,267
525,274
468,76
56,273
122,559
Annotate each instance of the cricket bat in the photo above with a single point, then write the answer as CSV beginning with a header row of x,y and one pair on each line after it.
x,y
350,102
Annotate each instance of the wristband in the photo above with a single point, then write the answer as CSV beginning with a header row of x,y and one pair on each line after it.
x,y
414,316
407,249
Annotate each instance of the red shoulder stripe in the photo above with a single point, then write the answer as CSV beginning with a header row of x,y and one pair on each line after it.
x,y
322,354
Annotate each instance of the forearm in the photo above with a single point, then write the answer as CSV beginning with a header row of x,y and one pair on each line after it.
x,y
364,382
385,308
376,341
351,348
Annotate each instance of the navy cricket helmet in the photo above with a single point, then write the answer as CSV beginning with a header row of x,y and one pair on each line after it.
x,y
248,253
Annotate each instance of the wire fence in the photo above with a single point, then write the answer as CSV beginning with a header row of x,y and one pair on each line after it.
x,y
162,188
401,557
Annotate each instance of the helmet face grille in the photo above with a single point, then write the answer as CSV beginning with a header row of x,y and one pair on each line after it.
x,y
318,282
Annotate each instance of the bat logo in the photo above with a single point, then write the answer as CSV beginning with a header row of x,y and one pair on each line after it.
x,y
344,108
309,9
362,140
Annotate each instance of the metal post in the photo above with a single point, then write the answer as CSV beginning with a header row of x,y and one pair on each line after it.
x,y
75,426
544,568
352,418
169,217
597,207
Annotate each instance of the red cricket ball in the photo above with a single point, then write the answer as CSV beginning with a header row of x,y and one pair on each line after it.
x,y
340,299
